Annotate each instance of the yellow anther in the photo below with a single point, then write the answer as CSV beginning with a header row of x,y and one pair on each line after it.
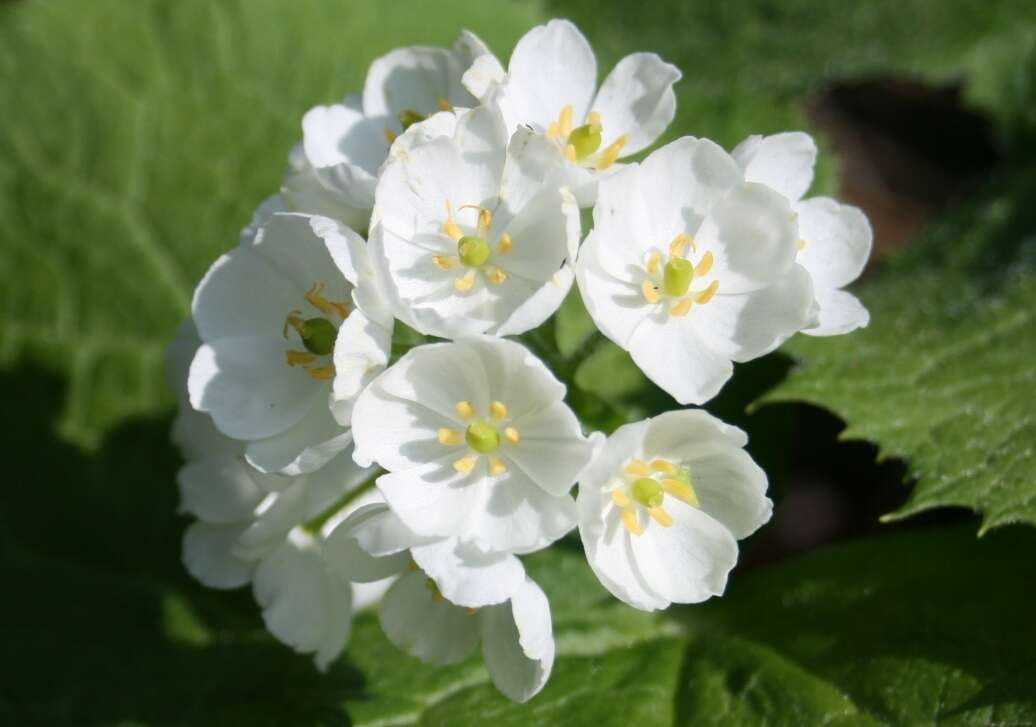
x,y
437,597
802,244
498,410
443,262
678,246
611,153
443,104
661,517
485,218
450,228
496,466
570,152
621,499
294,320
390,135
465,282
565,120
681,308
650,291
450,437
300,358
661,465
704,265
464,410
471,611
629,519
706,295
505,243
465,464
593,118
511,435
654,263
637,468
553,131
681,491
322,373
497,276
316,299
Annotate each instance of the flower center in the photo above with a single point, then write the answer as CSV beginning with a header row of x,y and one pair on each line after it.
x,y
676,277
317,334
473,249
644,489
581,144
481,437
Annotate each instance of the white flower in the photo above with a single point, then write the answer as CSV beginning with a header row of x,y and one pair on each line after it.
x,y
477,442
834,239
468,238
269,313
344,145
451,597
690,268
663,504
550,86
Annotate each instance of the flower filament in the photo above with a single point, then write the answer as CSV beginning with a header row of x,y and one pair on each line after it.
x,y
672,277
581,144
317,334
644,489
473,249
482,437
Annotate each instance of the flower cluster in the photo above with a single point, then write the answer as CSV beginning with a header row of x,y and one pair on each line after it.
x,y
329,470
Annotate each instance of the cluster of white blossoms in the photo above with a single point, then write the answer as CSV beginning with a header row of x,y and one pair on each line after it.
x,y
329,472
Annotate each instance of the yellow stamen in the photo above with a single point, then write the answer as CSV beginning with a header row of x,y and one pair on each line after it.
x,y
621,499
802,244
498,410
593,119
511,435
704,265
300,358
681,491
316,299
706,295
443,262
637,468
661,465
450,437
437,597
661,517
653,263
679,245
322,373
681,308
565,121
464,410
570,152
650,291
471,611
450,228
443,104
497,276
465,464
390,135
294,320
505,243
485,218
553,131
496,466
629,519
611,152
465,282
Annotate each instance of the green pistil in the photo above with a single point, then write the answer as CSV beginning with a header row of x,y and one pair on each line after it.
x,y
647,492
472,250
677,277
482,437
318,335
585,140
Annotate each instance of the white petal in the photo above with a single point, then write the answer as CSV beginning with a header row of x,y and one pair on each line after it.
x,y
531,167
840,312
732,489
781,161
304,447
333,135
681,433
433,499
518,643
433,630
552,66
837,240
366,595
344,556
208,555
413,79
218,489
362,351
675,357
539,306
468,577
616,304
552,450
484,72
637,99
345,198
380,532
295,245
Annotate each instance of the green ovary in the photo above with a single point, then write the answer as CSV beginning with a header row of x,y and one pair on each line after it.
x,y
318,335
472,250
482,437
585,140
677,277
647,492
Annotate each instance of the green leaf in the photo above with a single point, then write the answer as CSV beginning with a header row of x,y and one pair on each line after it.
x,y
135,141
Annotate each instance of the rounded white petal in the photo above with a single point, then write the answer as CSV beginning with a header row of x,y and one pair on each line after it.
x,y
218,489
637,99
333,135
346,558
417,78
518,642
673,355
362,351
783,162
837,239
616,304
840,312
466,575
431,629
484,73
367,595
552,450
208,555
304,447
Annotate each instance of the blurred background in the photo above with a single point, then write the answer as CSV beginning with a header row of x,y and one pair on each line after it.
x,y
138,135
